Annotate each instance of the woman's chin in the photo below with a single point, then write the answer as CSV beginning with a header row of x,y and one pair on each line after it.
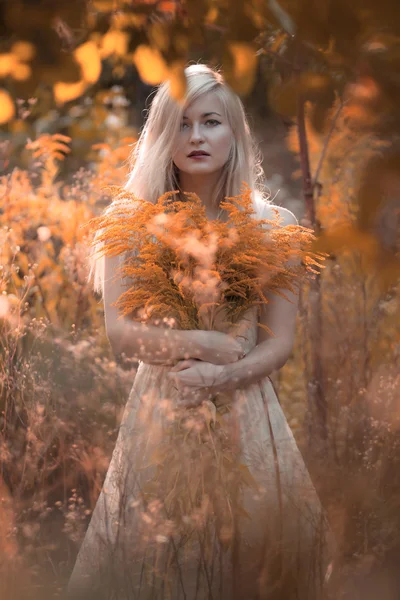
x,y
200,169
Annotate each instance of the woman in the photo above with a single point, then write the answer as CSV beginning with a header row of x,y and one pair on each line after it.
x,y
257,532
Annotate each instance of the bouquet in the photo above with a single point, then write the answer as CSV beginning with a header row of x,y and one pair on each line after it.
x,y
188,269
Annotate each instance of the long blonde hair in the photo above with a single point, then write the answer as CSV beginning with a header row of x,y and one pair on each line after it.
x,y
153,172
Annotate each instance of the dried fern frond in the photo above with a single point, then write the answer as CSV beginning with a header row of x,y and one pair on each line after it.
x,y
186,267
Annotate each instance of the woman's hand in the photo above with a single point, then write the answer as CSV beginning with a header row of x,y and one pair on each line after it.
x,y
209,346
215,347
198,380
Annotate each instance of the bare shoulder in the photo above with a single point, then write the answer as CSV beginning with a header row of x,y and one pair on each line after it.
x,y
287,217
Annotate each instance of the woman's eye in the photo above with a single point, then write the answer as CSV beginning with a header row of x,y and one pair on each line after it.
x,y
209,123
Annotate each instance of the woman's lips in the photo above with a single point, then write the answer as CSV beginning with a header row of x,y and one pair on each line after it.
x,y
198,156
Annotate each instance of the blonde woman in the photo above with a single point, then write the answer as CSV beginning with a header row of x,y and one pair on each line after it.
x,y
268,541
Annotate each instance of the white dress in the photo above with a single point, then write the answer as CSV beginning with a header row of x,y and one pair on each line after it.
x,y
204,506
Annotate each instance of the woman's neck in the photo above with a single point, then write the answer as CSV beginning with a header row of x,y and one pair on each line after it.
x,y
205,188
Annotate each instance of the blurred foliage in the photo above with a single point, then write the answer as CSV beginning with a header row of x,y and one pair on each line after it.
x,y
62,392
85,68
358,349
315,47
357,190
360,284
74,78
57,371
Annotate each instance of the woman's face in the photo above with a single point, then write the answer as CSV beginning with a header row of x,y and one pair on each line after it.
x,y
205,137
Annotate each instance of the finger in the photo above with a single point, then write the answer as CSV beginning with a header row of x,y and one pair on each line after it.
x,y
183,380
182,364
180,377
187,377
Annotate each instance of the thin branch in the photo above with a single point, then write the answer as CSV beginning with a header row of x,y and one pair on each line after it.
x,y
282,17
64,32
305,162
327,140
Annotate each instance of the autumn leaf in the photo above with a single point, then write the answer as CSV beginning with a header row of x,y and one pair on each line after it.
x,y
7,108
150,64
114,42
88,57
65,92
177,81
23,50
241,73
7,64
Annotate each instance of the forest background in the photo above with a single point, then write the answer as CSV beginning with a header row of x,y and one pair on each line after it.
x,y
320,82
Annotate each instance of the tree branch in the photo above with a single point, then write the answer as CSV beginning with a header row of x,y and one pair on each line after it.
x,y
325,146
282,17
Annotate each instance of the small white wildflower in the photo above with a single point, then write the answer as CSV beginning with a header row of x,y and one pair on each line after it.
x,y
43,233
113,122
161,539
120,101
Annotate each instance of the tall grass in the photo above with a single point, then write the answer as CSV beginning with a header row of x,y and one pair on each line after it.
x,y
62,391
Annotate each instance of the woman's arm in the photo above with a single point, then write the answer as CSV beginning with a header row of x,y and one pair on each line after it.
x,y
149,343
158,345
279,315
270,353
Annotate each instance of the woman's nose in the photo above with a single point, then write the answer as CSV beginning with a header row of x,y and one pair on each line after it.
x,y
196,133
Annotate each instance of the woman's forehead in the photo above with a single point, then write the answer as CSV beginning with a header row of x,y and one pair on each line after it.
x,y
206,105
